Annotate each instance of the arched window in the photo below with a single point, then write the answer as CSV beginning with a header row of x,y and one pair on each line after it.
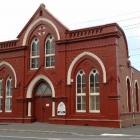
x,y
128,95
8,97
43,89
94,94
80,92
50,52
34,58
1,94
137,96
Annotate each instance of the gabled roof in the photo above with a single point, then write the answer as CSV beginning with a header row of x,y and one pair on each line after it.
x,y
41,11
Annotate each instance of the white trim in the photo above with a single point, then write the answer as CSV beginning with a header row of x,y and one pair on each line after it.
x,y
13,70
7,96
132,94
94,111
80,111
137,103
1,96
29,109
31,87
94,93
78,58
34,69
128,78
61,109
52,67
53,109
80,94
34,23
136,81
50,54
47,55
36,56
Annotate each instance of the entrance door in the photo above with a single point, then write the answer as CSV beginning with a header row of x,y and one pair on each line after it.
x,y
42,102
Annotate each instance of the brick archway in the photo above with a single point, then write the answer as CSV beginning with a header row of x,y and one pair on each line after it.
x,y
77,58
30,92
12,68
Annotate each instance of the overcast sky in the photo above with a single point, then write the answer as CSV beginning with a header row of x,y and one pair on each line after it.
x,y
14,14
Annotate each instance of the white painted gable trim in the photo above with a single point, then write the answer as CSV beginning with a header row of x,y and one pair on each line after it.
x,y
78,58
34,23
13,70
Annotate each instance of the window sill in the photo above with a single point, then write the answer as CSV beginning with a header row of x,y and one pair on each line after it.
x,y
52,67
8,111
94,111
81,111
34,68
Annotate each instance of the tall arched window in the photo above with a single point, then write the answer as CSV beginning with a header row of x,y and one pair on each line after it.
x,y
94,94
50,52
8,96
80,92
1,94
34,58
137,96
128,95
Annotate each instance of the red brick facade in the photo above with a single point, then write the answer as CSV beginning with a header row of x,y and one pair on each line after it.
x,y
39,86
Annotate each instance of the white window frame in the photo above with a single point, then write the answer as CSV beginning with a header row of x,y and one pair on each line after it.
x,y
33,57
51,54
8,96
1,90
94,94
80,94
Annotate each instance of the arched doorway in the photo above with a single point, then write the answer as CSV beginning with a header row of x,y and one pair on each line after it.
x,y
30,93
42,101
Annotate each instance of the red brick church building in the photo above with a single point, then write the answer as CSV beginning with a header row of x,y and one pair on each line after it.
x,y
56,75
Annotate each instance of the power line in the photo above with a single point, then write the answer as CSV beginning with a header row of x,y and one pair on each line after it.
x,y
138,62
114,16
134,55
134,49
128,19
131,25
103,19
135,36
132,28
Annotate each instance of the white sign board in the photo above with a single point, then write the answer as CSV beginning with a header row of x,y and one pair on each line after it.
x,y
61,109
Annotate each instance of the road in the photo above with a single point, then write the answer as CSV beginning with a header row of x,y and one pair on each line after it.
x,y
39,131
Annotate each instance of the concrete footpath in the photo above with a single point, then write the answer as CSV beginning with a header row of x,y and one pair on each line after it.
x,y
67,129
